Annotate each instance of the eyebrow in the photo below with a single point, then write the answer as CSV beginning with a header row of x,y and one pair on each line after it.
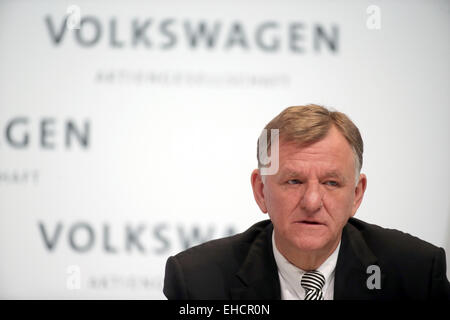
x,y
330,174
337,175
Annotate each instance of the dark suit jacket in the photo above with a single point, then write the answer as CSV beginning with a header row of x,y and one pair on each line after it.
x,y
243,266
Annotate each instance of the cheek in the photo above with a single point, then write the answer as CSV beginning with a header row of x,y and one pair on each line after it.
x,y
280,203
339,205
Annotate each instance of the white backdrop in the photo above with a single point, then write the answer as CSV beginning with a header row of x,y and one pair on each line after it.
x,y
133,137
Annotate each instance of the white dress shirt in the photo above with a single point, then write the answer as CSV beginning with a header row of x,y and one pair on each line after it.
x,y
290,275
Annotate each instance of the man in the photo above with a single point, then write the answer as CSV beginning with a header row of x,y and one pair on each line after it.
x,y
311,248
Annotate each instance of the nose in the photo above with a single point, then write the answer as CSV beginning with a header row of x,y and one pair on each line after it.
x,y
311,201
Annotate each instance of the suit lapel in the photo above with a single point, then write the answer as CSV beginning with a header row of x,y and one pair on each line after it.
x,y
351,268
258,274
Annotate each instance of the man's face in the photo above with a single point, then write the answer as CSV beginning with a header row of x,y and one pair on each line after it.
x,y
313,194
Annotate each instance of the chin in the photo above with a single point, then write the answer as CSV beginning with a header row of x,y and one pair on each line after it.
x,y
310,242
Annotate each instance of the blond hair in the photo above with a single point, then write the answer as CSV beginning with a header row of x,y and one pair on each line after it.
x,y
310,123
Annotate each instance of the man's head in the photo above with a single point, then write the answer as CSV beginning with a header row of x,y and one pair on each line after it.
x,y
318,185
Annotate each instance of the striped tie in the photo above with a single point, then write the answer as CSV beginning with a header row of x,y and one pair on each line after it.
x,y
313,282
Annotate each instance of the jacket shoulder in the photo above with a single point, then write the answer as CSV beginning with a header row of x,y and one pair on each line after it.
x,y
411,268
393,242
221,249
415,268
208,270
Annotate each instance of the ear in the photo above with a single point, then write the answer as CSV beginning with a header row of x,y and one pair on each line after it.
x,y
359,192
258,187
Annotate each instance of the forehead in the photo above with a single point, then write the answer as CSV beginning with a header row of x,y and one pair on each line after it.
x,y
332,153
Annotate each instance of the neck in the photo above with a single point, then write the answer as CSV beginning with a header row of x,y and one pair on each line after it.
x,y
306,260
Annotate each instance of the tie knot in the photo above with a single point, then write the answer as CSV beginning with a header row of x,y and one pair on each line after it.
x,y
313,281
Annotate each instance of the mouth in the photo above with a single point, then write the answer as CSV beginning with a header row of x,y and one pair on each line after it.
x,y
310,222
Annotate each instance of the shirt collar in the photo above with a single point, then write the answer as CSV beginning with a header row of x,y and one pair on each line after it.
x,y
292,274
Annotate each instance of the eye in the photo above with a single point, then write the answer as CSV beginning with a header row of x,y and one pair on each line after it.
x,y
294,181
331,183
